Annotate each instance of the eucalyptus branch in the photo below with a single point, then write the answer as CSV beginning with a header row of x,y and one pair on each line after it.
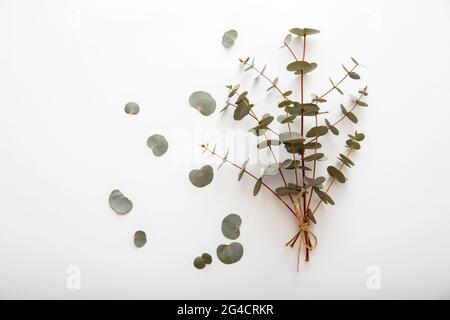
x,y
271,150
339,82
290,50
333,179
303,152
274,84
353,107
212,152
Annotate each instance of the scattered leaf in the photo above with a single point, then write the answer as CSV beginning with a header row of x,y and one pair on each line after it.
x,y
203,102
140,238
158,144
132,108
119,203
206,257
202,177
230,253
199,263
230,226
228,38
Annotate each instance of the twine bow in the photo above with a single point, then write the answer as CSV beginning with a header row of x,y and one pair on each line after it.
x,y
304,234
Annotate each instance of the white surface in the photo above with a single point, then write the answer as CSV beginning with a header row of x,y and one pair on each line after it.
x,y
69,67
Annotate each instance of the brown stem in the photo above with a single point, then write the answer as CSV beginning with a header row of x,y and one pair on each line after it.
x,y
302,152
338,83
340,119
271,151
331,183
251,175
290,50
289,125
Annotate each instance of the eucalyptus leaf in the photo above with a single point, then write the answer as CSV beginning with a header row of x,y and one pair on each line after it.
x,y
310,216
119,203
352,117
317,131
202,177
257,186
228,38
336,173
314,156
352,144
241,173
140,238
354,75
241,111
230,226
199,263
361,103
287,119
267,143
325,197
230,253
132,108
291,137
206,257
203,102
266,121
158,144
345,160
332,128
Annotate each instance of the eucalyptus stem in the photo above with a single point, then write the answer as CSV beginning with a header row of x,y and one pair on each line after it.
x,y
339,82
254,117
314,172
289,125
271,151
331,183
250,174
291,51
302,76
355,104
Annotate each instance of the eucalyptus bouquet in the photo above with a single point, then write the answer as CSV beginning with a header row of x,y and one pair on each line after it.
x,y
303,190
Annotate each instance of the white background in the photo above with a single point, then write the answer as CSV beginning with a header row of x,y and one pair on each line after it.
x,y
68,67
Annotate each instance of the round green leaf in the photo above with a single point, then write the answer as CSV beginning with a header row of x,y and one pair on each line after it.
x,y
202,177
230,226
228,38
352,144
298,66
291,137
206,257
199,263
119,203
336,173
140,238
132,108
203,102
230,253
158,144
317,131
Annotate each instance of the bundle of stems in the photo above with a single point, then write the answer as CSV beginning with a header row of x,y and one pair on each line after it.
x,y
303,191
